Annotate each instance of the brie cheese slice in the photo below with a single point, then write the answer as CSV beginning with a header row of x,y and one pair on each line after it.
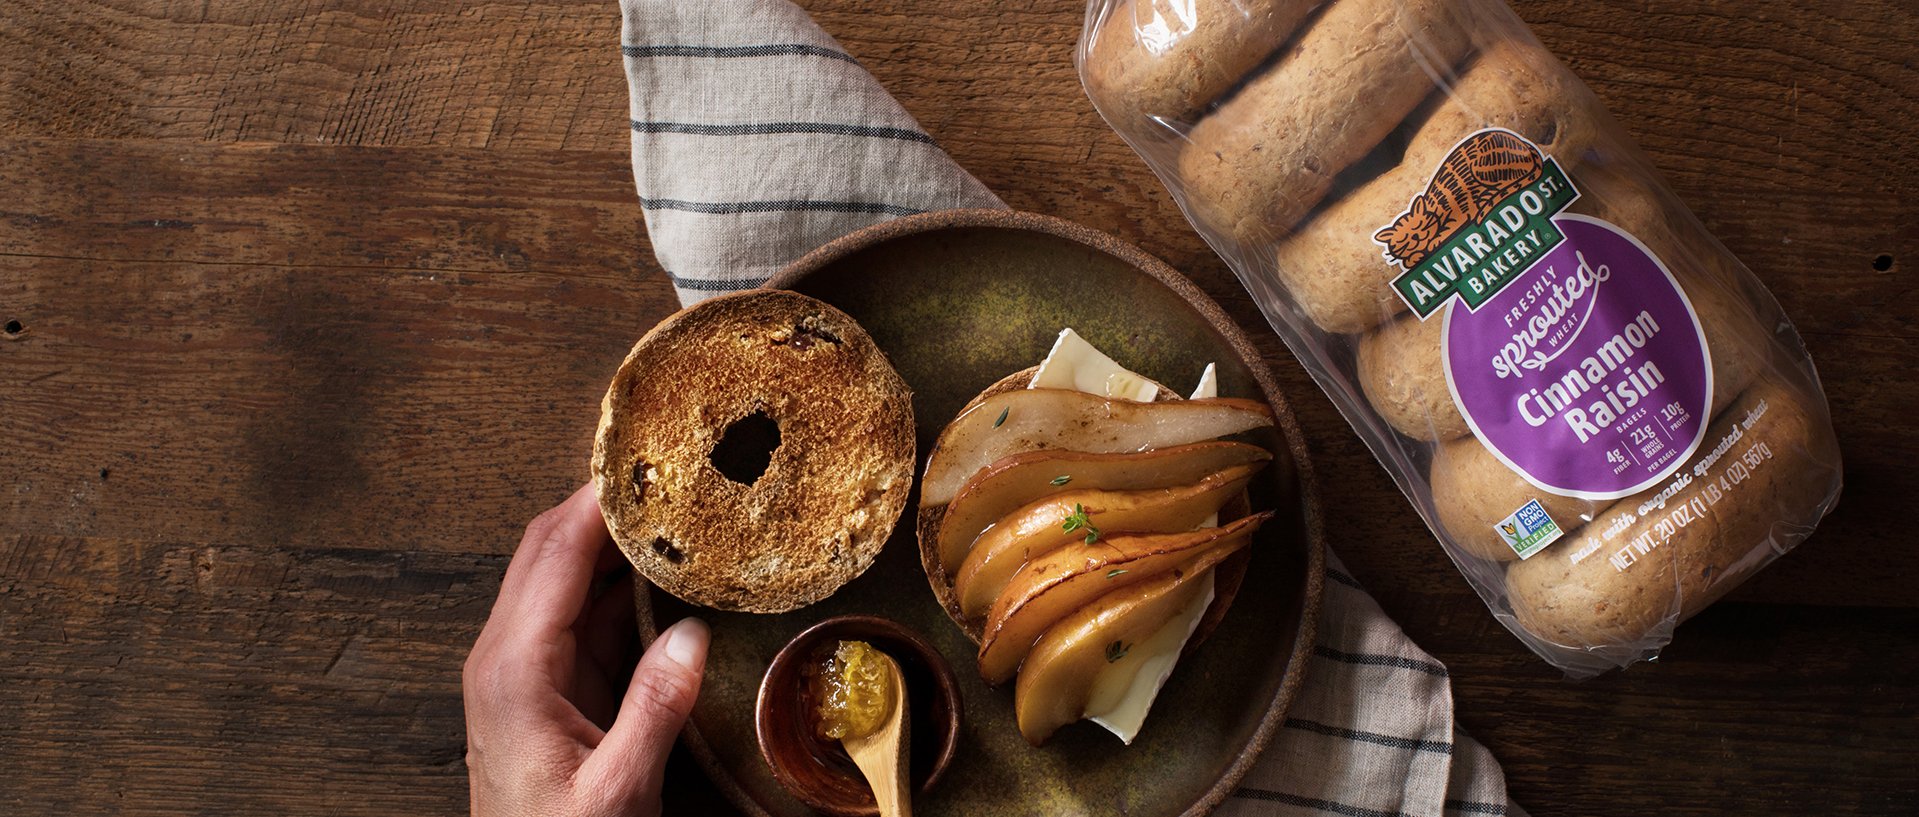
x,y
1075,364
1208,384
1124,691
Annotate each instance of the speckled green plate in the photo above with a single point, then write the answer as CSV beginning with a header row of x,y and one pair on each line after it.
x,y
958,299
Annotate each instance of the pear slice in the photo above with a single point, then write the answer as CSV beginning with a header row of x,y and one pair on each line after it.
x,y
1058,679
1022,478
1032,419
1037,529
1051,587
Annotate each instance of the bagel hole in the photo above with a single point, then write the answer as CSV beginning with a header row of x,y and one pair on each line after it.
x,y
667,551
746,448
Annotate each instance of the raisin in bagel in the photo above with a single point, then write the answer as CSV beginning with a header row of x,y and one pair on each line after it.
x,y
754,452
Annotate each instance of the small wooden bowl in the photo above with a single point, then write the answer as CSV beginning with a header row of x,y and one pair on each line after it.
x,y
817,771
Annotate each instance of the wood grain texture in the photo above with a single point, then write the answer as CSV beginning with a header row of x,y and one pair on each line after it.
x,y
168,677
360,72
315,302
260,343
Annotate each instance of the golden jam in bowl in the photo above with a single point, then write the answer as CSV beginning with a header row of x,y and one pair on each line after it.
x,y
852,690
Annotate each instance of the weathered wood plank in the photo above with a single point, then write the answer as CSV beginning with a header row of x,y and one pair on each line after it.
x,y
358,72
307,407
1757,709
436,210
150,678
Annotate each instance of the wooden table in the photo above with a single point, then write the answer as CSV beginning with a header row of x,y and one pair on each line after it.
x,y
308,307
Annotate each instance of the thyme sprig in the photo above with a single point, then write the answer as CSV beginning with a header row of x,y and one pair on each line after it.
x,y
1080,520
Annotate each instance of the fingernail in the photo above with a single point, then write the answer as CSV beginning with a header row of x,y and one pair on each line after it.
x,y
686,643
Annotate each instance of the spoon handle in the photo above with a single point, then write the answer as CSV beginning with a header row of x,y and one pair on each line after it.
x,y
901,788
892,797
891,783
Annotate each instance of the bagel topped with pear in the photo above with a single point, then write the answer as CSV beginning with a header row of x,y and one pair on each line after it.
x,y
1087,527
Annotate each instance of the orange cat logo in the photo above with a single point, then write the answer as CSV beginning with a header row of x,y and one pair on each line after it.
x,y
1480,171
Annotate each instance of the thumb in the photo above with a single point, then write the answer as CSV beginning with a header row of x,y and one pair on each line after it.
x,y
629,763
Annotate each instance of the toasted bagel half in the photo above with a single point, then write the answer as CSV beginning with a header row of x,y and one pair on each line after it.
x,y
754,451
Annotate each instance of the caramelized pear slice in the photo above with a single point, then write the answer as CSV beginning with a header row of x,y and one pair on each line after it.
x,y
1051,587
1032,419
1038,529
1056,683
1023,478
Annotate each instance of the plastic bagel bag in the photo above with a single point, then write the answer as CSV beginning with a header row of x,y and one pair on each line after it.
x,y
1605,419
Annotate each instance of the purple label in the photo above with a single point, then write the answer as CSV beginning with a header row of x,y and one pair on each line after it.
x,y
1588,374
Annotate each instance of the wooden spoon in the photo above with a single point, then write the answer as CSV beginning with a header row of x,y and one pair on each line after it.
x,y
881,755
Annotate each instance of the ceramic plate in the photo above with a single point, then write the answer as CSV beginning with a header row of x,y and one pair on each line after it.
x,y
958,299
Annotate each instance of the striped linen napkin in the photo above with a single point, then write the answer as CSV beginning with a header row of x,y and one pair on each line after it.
x,y
756,138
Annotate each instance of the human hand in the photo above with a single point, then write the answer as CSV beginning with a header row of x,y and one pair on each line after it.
x,y
548,732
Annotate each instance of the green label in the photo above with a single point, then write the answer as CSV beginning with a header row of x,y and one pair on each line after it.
x,y
1529,529
1486,254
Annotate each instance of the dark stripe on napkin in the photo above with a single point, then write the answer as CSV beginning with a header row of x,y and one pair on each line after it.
x,y
713,285
1343,579
1373,659
763,128
1436,747
726,51
728,208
